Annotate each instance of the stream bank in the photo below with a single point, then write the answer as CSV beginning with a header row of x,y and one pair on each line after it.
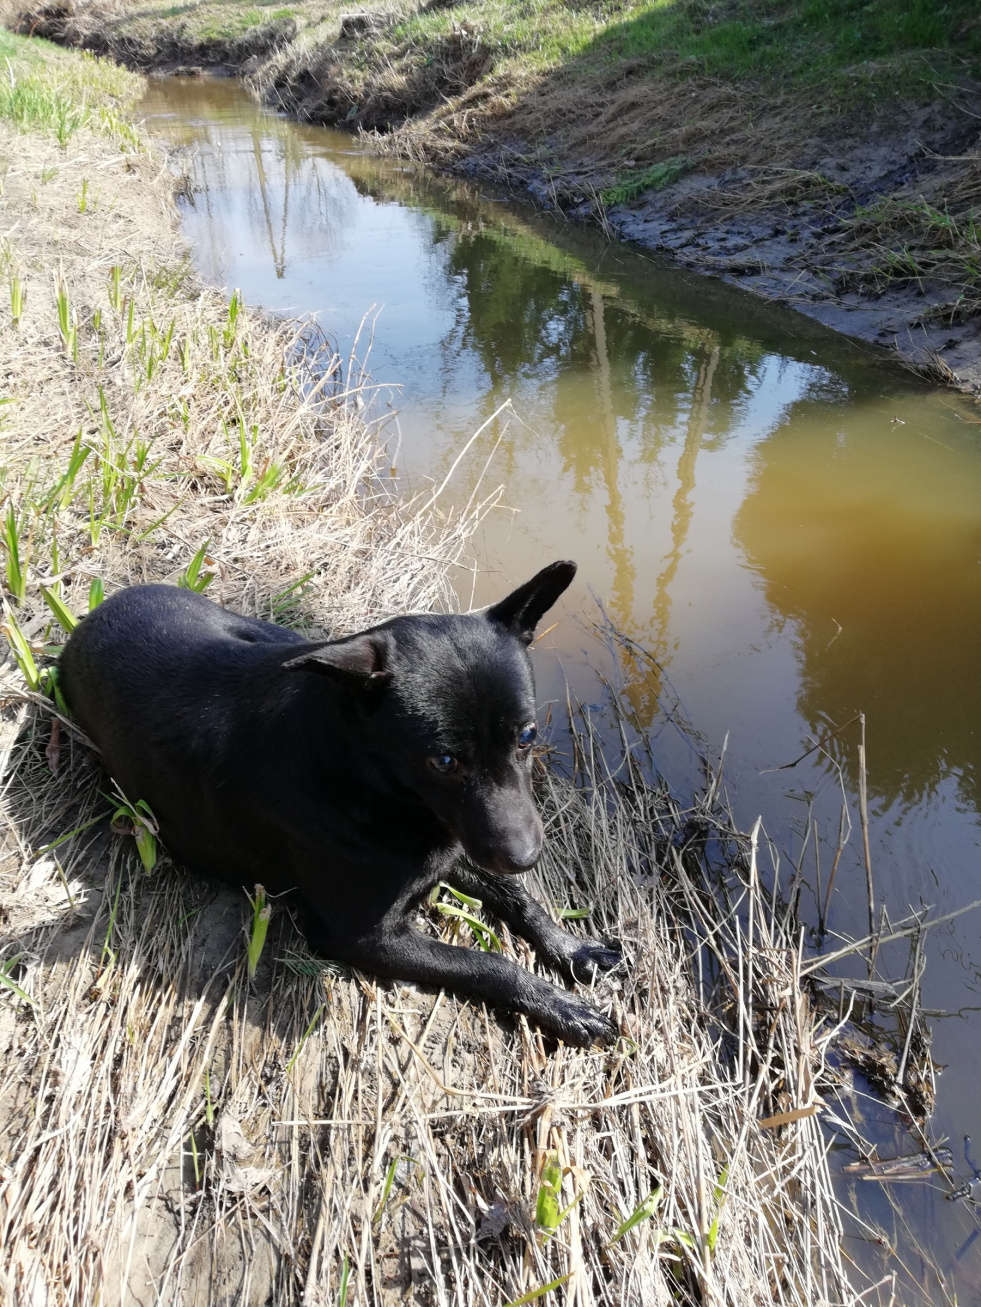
x,y
179,1130
832,166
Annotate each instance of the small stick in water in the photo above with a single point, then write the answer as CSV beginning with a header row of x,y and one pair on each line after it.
x,y
863,812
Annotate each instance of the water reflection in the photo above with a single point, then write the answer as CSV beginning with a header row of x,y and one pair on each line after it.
x,y
690,459
789,528
869,540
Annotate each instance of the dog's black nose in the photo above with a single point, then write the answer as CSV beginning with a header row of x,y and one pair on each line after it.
x,y
518,857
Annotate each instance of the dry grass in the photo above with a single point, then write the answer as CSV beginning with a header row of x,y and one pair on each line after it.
x,y
927,237
177,1135
595,123
204,423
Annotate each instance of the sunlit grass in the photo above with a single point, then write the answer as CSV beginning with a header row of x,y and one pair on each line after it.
x,y
767,39
44,88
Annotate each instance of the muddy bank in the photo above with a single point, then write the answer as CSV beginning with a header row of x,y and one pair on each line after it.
x,y
167,47
858,213
796,235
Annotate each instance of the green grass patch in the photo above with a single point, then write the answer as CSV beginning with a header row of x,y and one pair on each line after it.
x,y
45,88
914,240
784,41
834,42
534,35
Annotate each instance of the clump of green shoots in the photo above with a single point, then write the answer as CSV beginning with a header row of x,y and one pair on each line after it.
x,y
122,468
65,617
549,1213
485,937
22,651
193,578
115,288
18,554
39,680
261,912
142,825
84,199
248,484
67,320
64,489
234,305
17,296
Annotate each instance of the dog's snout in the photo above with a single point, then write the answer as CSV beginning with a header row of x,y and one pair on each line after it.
x,y
512,847
519,856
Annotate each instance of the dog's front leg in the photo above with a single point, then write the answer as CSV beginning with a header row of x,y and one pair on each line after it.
x,y
402,953
508,898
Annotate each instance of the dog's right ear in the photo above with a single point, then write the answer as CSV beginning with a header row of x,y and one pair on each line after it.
x,y
358,659
523,609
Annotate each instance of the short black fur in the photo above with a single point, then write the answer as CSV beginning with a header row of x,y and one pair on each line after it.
x,y
355,771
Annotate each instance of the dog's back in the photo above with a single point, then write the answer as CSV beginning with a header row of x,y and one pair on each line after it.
x,y
162,680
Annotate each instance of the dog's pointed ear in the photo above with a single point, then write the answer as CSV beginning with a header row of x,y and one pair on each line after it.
x,y
359,659
522,610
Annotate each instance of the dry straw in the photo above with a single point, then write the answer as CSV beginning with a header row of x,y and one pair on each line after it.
x,y
177,1134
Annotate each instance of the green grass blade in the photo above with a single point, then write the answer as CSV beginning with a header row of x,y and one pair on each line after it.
x,y
66,619
22,653
643,1213
534,1294
11,985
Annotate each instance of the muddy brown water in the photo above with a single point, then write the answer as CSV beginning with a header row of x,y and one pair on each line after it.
x,y
788,523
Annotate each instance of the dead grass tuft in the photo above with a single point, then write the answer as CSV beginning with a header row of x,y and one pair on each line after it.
x,y
216,1141
927,236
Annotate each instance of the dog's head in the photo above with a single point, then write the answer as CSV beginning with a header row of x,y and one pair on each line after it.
x,y
446,710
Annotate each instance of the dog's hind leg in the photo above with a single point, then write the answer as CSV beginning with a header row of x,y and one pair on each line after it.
x,y
405,954
507,898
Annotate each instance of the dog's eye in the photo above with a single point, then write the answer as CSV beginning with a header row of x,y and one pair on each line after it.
x,y
528,736
444,763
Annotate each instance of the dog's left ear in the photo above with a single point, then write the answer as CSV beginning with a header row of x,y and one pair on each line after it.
x,y
358,659
522,610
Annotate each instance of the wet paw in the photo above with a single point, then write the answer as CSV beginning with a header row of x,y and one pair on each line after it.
x,y
590,956
579,1024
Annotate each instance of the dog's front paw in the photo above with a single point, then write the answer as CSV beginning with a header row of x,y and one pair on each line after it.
x,y
590,956
579,1024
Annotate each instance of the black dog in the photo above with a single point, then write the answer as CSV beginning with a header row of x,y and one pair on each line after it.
x,y
356,771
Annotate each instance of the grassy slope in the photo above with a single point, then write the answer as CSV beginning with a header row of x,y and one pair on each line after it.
x,y
46,88
829,43
785,43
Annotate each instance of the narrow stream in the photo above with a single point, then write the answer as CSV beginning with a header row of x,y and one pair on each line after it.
x,y
789,524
